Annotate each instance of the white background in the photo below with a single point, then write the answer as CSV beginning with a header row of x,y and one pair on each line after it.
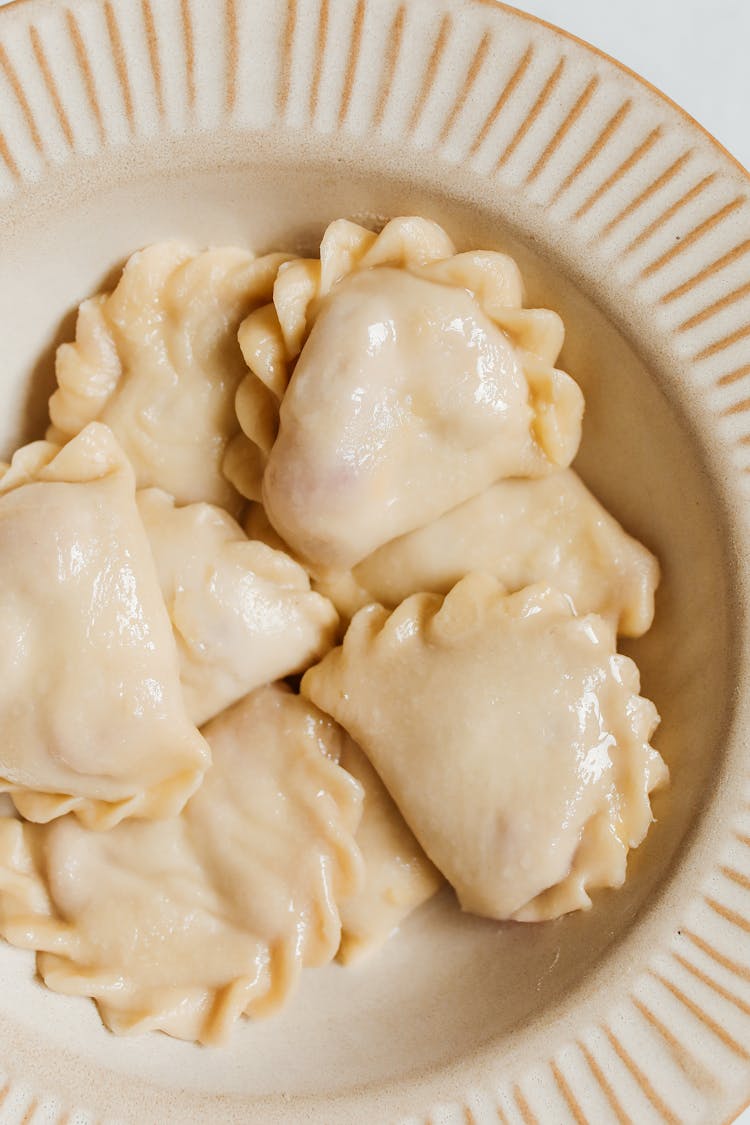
x,y
694,50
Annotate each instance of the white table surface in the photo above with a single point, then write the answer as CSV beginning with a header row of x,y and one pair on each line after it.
x,y
694,50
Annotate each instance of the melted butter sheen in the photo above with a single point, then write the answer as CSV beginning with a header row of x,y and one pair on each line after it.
x,y
510,735
184,925
406,400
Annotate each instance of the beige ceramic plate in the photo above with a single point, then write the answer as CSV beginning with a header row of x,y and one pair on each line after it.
x,y
257,121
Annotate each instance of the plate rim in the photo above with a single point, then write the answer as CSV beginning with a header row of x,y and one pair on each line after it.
x,y
498,6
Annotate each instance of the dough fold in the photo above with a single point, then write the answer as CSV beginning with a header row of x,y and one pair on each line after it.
x,y
391,380
186,924
242,614
551,529
157,360
510,734
93,717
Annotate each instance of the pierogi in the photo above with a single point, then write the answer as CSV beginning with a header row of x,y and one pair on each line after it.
x,y
184,925
509,733
414,389
242,613
251,461
521,531
93,718
158,361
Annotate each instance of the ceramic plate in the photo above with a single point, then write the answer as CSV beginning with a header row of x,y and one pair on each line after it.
x,y
257,121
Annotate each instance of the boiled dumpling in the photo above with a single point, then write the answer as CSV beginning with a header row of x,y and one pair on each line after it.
x,y
158,361
243,614
183,925
272,336
405,401
398,875
522,531
91,709
510,734
420,381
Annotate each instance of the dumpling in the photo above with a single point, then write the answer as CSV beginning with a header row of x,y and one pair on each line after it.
x,y
242,613
548,530
398,875
272,336
419,382
91,708
158,361
184,925
511,736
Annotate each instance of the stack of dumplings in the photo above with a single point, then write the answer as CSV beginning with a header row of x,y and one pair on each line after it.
x,y
353,469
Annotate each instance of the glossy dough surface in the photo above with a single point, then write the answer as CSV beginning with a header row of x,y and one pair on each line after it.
x,y
158,361
92,713
510,734
184,925
420,381
242,613
521,531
